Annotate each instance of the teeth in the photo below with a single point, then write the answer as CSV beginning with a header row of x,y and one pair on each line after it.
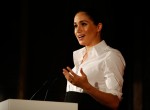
x,y
80,36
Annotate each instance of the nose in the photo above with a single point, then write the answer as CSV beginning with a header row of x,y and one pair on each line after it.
x,y
78,29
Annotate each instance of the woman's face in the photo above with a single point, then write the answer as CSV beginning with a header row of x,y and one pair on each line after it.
x,y
86,32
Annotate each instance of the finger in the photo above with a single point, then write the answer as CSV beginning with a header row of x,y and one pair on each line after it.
x,y
71,72
67,74
64,72
82,73
70,81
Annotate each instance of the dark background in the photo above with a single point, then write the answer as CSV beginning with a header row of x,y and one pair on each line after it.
x,y
37,40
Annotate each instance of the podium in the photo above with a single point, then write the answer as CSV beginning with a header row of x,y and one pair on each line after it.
x,y
19,104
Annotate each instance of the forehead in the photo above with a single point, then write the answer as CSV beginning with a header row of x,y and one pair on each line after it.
x,y
81,16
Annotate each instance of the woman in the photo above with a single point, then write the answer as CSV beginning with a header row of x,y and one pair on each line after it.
x,y
96,80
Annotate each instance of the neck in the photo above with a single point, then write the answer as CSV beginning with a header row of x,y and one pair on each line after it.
x,y
88,48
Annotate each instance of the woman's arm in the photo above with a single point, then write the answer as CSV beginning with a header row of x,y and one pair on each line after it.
x,y
106,99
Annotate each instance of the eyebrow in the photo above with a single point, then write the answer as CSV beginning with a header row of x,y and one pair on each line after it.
x,y
82,21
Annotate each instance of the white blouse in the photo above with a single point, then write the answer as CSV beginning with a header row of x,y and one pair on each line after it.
x,y
104,68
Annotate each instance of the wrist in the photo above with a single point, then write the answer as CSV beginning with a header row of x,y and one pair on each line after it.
x,y
87,87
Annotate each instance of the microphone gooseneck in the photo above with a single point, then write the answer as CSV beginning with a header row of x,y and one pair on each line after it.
x,y
39,89
53,82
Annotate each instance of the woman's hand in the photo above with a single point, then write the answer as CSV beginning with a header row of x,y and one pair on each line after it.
x,y
80,81
107,99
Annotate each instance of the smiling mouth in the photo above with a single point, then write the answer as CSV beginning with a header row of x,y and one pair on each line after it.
x,y
81,37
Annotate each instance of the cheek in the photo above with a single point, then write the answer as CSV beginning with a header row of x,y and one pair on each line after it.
x,y
75,35
75,32
89,30
90,33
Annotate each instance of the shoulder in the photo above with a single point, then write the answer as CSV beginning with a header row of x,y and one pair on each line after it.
x,y
78,51
114,55
114,52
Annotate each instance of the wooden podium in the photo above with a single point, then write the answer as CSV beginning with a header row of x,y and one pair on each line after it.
x,y
19,104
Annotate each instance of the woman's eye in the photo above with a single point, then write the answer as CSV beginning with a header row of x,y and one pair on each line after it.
x,y
84,24
75,26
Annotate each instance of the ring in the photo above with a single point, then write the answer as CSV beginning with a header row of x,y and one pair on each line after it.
x,y
71,81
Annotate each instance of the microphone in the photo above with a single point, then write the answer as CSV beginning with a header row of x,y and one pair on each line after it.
x,y
43,85
53,82
39,89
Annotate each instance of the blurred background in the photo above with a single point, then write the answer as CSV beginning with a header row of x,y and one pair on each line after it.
x,y
37,41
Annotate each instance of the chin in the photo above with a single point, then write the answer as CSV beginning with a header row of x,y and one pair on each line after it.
x,y
81,43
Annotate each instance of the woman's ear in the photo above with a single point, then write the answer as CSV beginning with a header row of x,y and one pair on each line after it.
x,y
99,27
